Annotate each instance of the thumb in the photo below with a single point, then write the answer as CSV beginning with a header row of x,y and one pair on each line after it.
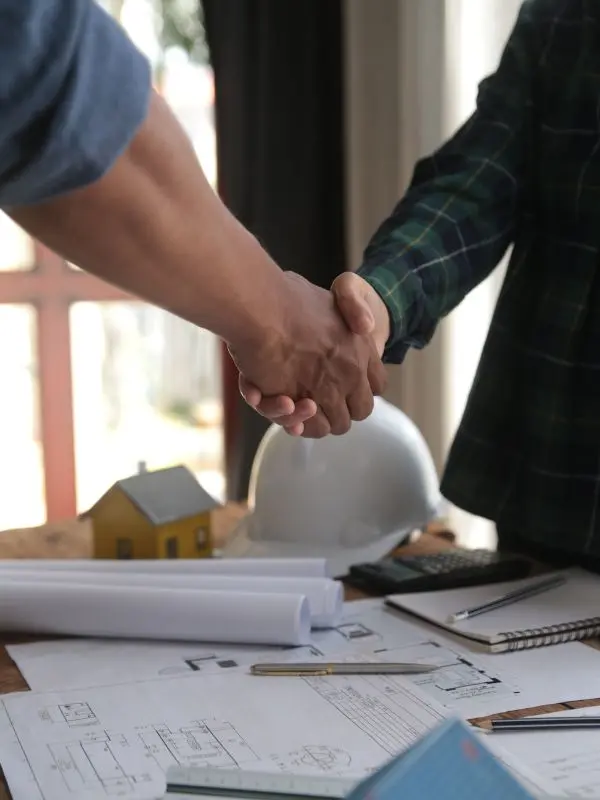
x,y
350,295
251,394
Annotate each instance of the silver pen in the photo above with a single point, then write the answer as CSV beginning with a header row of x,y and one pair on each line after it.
x,y
511,597
318,669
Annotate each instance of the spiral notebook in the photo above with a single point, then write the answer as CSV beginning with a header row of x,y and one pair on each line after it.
x,y
567,613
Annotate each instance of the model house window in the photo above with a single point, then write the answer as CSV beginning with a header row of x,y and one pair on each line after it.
x,y
201,538
171,547
124,548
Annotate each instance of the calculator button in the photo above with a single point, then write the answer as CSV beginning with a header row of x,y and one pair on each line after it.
x,y
399,571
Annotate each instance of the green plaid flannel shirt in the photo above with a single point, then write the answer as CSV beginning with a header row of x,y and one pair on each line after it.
x,y
524,170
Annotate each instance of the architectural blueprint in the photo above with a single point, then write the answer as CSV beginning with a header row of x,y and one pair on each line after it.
x,y
473,684
77,663
118,741
468,683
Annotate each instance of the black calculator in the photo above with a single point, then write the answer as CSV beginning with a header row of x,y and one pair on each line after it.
x,y
449,569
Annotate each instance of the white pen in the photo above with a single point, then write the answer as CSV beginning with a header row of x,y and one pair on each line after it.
x,y
511,597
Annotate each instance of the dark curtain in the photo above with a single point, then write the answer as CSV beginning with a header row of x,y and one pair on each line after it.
x,y
278,69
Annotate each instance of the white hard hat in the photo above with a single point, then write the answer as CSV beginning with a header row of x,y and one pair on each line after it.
x,y
349,498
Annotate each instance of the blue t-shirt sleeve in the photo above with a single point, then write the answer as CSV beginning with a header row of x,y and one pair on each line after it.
x,y
73,91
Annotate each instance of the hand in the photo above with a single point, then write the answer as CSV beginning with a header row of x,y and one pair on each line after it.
x,y
315,359
365,313
362,308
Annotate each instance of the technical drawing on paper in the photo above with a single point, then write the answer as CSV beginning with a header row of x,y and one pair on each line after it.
x,y
384,709
118,763
332,760
459,677
213,660
197,664
74,714
351,631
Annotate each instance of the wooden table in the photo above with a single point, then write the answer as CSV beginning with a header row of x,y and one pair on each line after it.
x,y
72,539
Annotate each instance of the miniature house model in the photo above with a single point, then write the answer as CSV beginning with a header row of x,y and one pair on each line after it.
x,y
161,514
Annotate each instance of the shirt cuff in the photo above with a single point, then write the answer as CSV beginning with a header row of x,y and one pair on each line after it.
x,y
103,99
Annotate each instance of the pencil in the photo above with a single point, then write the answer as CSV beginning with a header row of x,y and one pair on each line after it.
x,y
523,593
540,724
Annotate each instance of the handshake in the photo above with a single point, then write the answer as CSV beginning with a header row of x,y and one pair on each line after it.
x,y
315,364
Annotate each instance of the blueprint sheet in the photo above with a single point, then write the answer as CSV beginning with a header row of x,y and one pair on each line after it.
x,y
468,683
77,663
567,760
118,741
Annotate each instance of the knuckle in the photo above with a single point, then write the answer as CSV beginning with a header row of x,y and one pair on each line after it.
x,y
380,387
363,409
338,417
341,427
317,428
382,376
378,380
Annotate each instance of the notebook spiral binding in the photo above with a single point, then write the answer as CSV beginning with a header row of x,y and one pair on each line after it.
x,y
552,634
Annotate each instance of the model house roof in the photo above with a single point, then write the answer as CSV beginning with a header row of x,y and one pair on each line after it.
x,y
165,495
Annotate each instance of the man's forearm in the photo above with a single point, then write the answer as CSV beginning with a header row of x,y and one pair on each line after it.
x,y
96,166
153,226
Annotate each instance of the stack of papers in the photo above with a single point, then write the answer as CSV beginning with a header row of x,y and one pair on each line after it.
x,y
109,717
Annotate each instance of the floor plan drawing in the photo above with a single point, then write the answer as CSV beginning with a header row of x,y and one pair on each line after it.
x,y
461,680
343,726
118,763
331,760
74,715
384,709
213,662
353,631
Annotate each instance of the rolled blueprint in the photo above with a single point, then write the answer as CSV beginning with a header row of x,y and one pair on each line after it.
x,y
277,567
325,596
142,612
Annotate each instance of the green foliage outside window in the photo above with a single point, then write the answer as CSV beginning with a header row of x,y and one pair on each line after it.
x,y
178,23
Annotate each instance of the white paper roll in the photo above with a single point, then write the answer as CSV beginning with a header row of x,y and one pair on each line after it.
x,y
142,612
325,596
277,567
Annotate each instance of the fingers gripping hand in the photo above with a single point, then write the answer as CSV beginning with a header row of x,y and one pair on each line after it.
x,y
320,358
279,409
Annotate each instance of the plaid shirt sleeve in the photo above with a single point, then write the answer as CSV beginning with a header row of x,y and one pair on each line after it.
x,y
457,218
